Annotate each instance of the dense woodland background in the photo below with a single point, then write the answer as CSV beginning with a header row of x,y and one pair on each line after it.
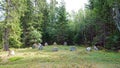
x,y
24,22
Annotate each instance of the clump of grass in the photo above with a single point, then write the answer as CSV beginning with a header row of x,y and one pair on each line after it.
x,y
0,59
15,58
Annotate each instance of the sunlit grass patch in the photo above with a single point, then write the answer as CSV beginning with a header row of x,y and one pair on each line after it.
x,y
15,58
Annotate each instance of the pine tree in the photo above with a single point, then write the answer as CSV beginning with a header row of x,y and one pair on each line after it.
x,y
11,25
31,22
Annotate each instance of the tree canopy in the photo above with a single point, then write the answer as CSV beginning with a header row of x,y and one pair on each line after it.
x,y
24,22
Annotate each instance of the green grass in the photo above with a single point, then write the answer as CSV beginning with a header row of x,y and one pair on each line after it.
x,y
34,58
14,58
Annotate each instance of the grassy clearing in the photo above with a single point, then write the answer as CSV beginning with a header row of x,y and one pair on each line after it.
x,y
34,58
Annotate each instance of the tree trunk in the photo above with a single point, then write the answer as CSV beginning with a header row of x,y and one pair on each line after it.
x,y
6,40
6,29
104,36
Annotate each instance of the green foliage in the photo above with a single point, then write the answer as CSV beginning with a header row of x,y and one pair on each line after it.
x,y
61,24
105,27
13,10
35,36
113,42
1,26
55,27
95,24
15,59
30,21
14,39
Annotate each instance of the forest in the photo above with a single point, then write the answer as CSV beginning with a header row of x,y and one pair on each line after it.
x,y
42,34
24,22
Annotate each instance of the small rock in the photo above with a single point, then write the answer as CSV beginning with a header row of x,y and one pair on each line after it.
x,y
88,48
118,50
40,47
54,43
95,48
65,43
55,49
11,52
72,48
34,45
46,44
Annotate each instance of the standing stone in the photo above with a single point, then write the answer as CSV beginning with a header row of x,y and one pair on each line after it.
x,y
46,44
40,46
65,43
34,45
95,48
88,48
54,43
72,48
